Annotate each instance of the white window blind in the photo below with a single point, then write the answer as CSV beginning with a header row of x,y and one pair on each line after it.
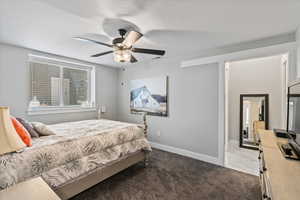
x,y
45,83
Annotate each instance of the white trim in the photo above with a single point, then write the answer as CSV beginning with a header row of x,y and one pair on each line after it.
x,y
241,55
49,60
284,74
60,110
226,79
221,114
187,153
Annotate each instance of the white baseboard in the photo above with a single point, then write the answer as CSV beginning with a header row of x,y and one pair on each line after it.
x,y
187,153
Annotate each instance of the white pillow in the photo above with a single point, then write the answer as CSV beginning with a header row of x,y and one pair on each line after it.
x,y
42,129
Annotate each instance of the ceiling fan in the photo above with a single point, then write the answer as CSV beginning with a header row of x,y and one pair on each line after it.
x,y
122,47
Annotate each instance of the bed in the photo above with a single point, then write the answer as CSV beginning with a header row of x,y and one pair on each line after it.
x,y
80,155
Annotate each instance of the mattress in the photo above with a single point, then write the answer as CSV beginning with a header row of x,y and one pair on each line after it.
x,y
75,150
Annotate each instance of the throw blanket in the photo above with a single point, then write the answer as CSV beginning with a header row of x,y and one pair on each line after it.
x,y
75,150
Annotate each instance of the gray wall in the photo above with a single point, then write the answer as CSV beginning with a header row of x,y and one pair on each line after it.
x,y
255,76
15,86
298,52
193,104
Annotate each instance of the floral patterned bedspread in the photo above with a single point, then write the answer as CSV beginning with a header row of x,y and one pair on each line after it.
x,y
75,150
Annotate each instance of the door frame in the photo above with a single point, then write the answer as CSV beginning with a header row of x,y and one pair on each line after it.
x,y
266,97
288,48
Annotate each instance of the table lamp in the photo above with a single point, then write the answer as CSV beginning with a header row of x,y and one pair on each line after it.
x,y
10,141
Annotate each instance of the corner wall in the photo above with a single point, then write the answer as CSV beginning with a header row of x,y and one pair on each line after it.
x,y
255,76
192,125
15,86
298,52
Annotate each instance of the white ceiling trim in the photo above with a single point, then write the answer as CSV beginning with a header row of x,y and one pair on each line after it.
x,y
243,55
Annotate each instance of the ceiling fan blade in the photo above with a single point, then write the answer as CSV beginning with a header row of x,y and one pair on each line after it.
x,y
101,54
131,38
94,41
149,51
133,59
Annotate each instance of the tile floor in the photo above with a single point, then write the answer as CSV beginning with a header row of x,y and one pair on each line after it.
x,y
241,159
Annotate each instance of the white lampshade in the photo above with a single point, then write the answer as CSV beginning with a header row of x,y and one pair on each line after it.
x,y
10,141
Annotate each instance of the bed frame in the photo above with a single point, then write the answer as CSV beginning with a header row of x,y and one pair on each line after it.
x,y
100,174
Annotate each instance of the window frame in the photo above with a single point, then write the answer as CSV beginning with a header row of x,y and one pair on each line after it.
x,y
63,64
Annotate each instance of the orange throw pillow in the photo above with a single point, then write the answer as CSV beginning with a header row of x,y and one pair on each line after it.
x,y
22,132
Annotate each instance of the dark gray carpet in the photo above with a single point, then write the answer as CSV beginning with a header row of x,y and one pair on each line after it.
x,y
174,177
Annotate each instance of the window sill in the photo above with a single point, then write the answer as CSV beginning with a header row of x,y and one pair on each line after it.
x,y
59,110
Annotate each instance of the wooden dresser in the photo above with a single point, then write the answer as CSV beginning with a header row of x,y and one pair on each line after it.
x,y
279,177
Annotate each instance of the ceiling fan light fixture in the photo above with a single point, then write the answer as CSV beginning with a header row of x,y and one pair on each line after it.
x,y
122,55
122,47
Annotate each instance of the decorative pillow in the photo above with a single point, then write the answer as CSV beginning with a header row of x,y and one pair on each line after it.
x,y
22,132
42,129
28,127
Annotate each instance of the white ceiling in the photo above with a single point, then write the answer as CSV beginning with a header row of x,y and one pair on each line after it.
x,y
181,27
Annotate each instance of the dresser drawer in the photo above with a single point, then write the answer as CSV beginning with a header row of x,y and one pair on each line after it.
x,y
262,163
265,186
263,176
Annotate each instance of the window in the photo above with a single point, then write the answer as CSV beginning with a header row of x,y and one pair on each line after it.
x,y
75,86
60,86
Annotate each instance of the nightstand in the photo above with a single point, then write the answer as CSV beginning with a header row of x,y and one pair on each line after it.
x,y
33,189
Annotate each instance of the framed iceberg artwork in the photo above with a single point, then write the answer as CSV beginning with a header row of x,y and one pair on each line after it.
x,y
149,95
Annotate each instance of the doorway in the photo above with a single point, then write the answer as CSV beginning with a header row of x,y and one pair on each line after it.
x,y
254,115
261,80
